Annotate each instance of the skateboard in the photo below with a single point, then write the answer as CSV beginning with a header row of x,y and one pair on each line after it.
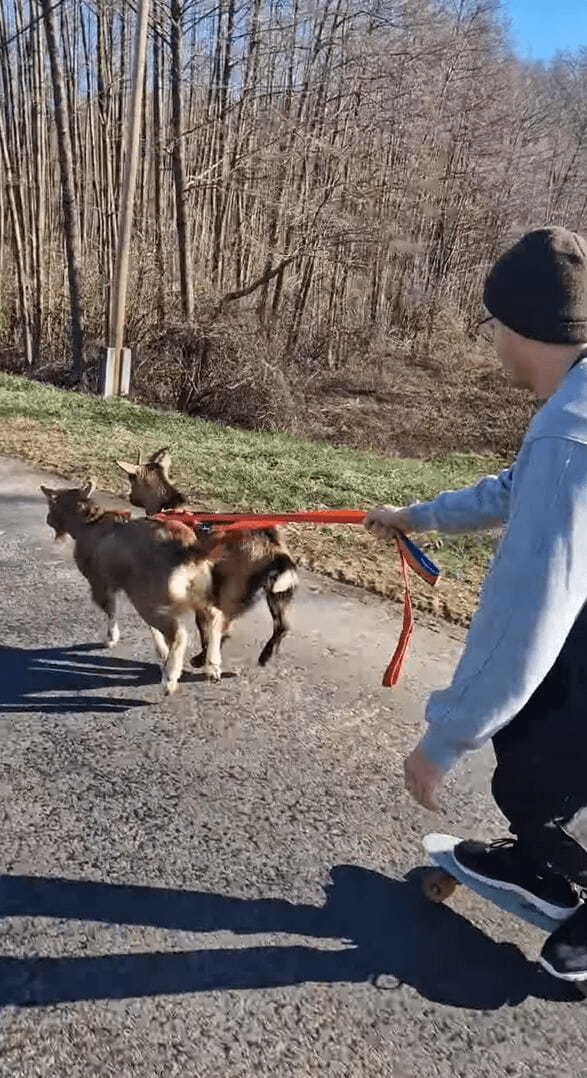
x,y
440,882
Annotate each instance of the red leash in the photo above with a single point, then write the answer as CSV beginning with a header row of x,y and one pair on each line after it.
x,y
410,554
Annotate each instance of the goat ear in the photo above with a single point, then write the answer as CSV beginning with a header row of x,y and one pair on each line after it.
x,y
49,494
88,488
163,459
130,469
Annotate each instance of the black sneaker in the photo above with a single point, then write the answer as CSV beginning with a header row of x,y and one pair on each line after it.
x,y
565,952
502,864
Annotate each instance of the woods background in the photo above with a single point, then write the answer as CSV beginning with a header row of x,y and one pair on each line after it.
x,y
322,186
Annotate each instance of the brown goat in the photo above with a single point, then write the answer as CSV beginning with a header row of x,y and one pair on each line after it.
x,y
256,560
165,573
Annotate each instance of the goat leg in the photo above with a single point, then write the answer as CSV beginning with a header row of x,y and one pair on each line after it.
x,y
199,660
214,626
177,640
278,602
105,598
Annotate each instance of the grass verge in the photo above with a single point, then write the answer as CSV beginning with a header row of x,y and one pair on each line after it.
x,y
77,435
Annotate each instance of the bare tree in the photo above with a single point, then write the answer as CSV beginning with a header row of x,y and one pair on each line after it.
x,y
341,173
69,200
178,157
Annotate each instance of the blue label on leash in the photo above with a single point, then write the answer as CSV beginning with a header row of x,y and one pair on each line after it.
x,y
429,567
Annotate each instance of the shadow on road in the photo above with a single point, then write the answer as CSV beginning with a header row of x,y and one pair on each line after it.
x,y
384,925
66,679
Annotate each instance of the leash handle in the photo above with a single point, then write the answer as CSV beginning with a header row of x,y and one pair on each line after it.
x,y
411,555
417,559
392,673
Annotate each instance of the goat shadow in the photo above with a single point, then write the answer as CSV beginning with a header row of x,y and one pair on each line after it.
x,y
68,679
385,927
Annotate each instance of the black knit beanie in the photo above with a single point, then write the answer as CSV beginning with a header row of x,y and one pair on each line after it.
x,y
539,287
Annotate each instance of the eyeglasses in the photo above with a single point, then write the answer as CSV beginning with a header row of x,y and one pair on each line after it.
x,y
485,329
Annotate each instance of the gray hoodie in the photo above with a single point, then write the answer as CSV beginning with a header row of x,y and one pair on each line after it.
x,y
537,583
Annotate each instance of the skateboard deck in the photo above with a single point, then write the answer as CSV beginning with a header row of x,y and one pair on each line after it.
x,y
440,882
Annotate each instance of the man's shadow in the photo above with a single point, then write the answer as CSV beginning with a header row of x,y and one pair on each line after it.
x,y
386,929
68,679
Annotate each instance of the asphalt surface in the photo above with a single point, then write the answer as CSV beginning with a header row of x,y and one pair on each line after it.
x,y
215,884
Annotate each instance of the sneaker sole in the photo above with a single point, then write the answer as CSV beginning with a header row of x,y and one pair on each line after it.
x,y
571,977
556,913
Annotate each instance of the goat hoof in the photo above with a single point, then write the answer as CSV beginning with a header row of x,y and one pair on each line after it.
x,y
170,687
212,673
267,654
113,637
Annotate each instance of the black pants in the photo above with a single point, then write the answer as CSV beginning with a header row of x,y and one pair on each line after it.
x,y
540,782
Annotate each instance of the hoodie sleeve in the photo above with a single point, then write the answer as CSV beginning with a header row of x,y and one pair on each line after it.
x,y
534,591
482,506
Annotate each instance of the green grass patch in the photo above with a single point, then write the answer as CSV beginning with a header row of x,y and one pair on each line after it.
x,y
78,435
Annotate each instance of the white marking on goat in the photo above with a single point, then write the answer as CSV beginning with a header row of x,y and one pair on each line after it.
x,y
160,644
213,667
113,635
286,581
179,582
190,582
173,668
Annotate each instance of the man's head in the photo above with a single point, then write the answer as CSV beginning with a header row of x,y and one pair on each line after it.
x,y
537,295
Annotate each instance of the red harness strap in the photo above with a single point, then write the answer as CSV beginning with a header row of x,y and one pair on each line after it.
x,y
226,524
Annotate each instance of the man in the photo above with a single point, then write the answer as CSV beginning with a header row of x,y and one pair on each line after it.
x,y
522,678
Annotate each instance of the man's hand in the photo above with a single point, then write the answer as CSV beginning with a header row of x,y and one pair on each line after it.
x,y
385,520
423,779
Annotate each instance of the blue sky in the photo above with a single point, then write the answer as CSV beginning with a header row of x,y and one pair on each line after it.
x,y
542,27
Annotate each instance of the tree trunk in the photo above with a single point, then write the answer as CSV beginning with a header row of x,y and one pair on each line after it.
x,y
69,202
158,167
186,274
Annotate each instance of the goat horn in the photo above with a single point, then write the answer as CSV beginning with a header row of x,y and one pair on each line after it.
x,y
140,457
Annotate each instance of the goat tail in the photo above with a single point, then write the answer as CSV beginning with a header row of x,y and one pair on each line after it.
x,y
280,576
280,581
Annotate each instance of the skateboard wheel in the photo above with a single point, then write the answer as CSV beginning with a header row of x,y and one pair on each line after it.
x,y
438,885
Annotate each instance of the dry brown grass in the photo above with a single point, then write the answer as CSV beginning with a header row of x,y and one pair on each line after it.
x,y
409,397
410,404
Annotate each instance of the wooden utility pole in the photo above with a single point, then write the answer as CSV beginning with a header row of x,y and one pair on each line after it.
x,y
131,148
